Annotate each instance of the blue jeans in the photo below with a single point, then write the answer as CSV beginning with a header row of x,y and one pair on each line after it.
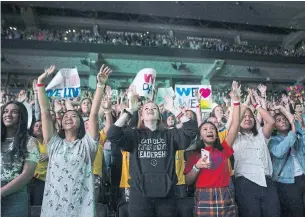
x,y
16,204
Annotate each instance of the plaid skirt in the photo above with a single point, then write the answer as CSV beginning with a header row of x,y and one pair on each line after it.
x,y
215,202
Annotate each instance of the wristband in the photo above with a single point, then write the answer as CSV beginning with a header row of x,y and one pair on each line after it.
x,y
256,106
197,106
236,103
107,112
100,85
40,85
180,115
195,168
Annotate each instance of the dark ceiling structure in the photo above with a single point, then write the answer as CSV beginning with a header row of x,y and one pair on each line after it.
x,y
287,15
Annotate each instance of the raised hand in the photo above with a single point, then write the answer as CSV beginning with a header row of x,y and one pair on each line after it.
x,y
22,96
41,79
198,96
169,105
262,89
106,104
285,99
103,74
133,103
235,93
108,92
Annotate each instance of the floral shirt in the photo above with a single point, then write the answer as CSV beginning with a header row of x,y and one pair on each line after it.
x,y
69,188
12,166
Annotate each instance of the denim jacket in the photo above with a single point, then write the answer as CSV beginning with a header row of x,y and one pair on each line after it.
x,y
279,147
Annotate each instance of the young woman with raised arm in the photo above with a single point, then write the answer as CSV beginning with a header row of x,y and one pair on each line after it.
x,y
69,188
152,150
211,174
256,193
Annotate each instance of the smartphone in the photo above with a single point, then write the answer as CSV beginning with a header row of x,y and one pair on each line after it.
x,y
205,153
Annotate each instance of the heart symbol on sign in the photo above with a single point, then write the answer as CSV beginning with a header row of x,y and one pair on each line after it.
x,y
205,92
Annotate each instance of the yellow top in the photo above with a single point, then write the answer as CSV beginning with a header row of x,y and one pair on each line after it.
x,y
222,135
125,170
180,165
98,162
41,169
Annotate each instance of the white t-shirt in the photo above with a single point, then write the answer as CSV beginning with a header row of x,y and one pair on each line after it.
x,y
69,188
252,157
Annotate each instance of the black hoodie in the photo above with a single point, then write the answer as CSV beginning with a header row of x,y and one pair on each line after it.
x,y
152,155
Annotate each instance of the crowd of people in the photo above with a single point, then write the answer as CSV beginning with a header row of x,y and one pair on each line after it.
x,y
147,40
246,158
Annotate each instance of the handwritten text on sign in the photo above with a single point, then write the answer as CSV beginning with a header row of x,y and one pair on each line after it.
x,y
144,82
149,80
185,95
68,92
65,84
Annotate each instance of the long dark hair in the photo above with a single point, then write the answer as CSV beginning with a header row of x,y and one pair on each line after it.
x,y
201,144
275,116
21,135
81,130
254,128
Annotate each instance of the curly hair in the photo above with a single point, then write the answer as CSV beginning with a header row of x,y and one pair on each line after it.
x,y
21,134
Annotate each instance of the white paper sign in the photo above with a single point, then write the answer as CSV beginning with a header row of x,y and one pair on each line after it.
x,y
164,92
65,84
185,96
145,82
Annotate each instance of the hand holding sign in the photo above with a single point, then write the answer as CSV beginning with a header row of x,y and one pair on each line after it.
x,y
41,79
169,106
103,74
133,100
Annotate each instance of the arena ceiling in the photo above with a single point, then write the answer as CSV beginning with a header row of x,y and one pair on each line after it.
x,y
28,64
287,14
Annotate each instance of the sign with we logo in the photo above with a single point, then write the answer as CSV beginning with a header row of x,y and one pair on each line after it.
x,y
145,82
185,96
65,84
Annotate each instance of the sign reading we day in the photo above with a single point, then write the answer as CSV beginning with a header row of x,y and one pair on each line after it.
x,y
65,84
185,96
145,82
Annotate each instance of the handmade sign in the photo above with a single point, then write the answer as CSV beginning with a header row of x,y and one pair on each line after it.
x,y
65,84
164,92
145,82
185,96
